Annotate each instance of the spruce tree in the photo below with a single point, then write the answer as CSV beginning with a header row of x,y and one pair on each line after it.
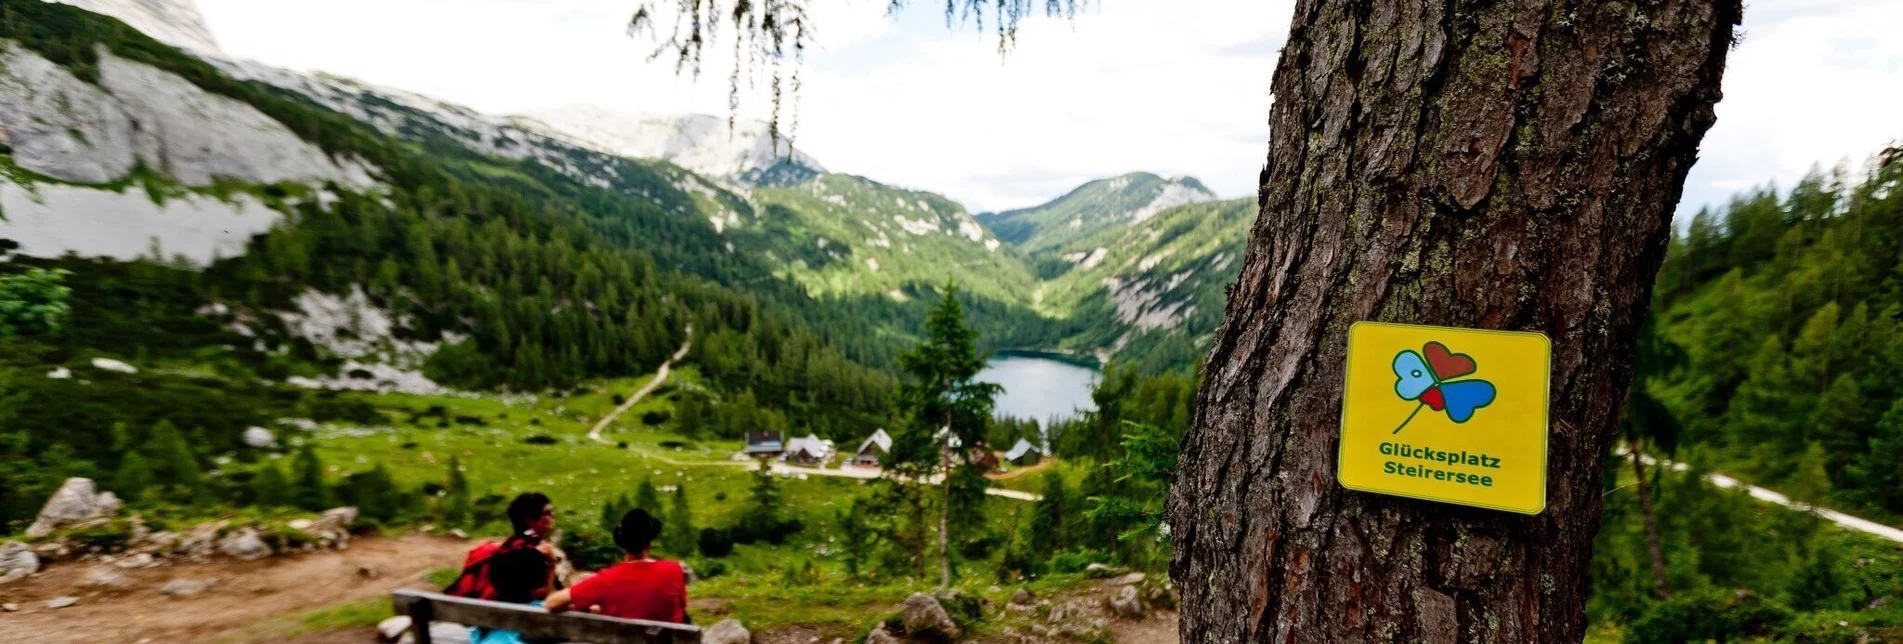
x,y
1051,525
761,517
307,487
134,476
647,498
270,488
456,496
855,538
678,535
177,466
942,395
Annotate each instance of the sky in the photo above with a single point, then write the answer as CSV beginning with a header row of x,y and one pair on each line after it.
x,y
1176,87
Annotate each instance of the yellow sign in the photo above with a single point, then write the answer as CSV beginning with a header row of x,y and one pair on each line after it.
x,y
1450,415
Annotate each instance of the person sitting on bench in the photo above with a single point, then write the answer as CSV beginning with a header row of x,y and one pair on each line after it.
x,y
532,517
640,587
517,575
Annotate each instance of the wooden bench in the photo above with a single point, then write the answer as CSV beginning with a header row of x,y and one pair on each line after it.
x,y
532,622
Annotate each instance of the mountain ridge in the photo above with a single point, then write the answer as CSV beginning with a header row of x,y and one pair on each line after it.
x,y
1093,207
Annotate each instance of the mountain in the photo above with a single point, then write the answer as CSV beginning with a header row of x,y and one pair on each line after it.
x,y
1092,208
173,22
1156,287
698,142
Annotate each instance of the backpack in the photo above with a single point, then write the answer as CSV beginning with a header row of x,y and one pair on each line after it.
x,y
473,583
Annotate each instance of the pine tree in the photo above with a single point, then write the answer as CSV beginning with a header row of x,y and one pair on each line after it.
x,y
307,489
941,394
177,466
678,535
647,498
1878,470
456,496
1050,526
855,538
270,487
134,476
760,519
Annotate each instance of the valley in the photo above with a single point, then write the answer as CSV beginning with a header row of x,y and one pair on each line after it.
x,y
241,298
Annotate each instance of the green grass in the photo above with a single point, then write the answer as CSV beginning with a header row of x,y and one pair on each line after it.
x,y
350,615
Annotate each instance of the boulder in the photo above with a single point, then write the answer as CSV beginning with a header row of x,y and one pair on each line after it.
x,y
728,631
1101,571
61,602
244,544
17,561
137,560
334,524
259,438
1022,598
439,633
881,636
160,542
1132,578
201,541
10,607
106,579
186,587
1126,604
922,615
75,502
392,628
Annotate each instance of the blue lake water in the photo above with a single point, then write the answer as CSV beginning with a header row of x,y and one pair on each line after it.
x,y
1039,388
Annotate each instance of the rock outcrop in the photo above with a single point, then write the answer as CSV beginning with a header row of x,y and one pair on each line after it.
x,y
75,502
65,128
244,544
17,561
921,615
728,631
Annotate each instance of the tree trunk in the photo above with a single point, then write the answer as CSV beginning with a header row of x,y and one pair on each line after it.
x,y
1652,541
944,531
1499,165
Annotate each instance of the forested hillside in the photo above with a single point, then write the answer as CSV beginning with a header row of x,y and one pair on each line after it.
x,y
525,279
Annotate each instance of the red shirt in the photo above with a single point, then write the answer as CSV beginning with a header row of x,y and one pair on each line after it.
x,y
651,590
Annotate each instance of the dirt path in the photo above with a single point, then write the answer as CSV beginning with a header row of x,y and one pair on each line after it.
x,y
1842,520
660,376
247,594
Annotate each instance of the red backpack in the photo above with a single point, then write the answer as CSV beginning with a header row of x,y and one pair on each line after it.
x,y
474,583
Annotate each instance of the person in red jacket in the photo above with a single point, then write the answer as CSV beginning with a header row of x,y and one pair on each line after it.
x,y
532,517
640,587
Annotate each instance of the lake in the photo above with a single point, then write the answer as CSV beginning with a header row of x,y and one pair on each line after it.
x,y
1039,387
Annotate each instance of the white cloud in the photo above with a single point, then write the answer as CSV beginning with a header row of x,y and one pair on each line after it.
x,y
1813,83
1178,87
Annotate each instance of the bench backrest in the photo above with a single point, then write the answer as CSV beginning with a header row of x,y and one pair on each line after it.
x,y
530,621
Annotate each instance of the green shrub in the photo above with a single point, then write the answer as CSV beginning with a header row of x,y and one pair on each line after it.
x,y
590,548
1075,561
105,537
715,542
1714,615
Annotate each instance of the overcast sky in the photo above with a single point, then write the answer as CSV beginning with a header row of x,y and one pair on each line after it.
x,y
1172,87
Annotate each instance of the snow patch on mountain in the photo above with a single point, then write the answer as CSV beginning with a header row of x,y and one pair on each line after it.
x,y
698,142
51,220
174,22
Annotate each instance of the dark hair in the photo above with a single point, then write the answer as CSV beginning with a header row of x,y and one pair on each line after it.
x,y
517,573
526,508
637,530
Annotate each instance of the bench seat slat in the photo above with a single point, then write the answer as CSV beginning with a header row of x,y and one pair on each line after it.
x,y
535,622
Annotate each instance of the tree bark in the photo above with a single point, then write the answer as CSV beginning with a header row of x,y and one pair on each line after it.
x,y
1502,165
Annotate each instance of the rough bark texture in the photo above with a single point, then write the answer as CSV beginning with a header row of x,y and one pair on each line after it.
x,y
1500,165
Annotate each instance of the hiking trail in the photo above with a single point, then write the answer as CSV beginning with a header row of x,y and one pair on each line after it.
x,y
660,376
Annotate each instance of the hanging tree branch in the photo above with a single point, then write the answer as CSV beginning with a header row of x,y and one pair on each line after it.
x,y
767,33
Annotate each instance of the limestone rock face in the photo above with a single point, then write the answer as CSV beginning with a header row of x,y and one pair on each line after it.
x,y
174,22
17,561
58,125
728,631
65,128
73,503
